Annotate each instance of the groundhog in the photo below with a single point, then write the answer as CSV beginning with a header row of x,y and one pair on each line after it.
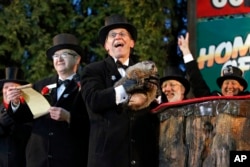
x,y
147,88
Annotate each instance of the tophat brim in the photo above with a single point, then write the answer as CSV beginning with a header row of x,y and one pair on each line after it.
x,y
50,52
182,80
21,82
105,30
242,81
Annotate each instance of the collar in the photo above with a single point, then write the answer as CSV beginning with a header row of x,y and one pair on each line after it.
x,y
69,78
125,63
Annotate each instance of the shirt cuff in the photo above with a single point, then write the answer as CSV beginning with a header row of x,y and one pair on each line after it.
x,y
187,58
120,95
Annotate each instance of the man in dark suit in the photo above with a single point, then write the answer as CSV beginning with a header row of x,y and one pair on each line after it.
x,y
231,82
56,140
119,137
13,134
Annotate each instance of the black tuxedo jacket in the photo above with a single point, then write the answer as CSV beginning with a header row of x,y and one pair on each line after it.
x,y
56,143
119,137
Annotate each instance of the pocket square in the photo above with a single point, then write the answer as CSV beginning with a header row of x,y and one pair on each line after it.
x,y
65,95
113,78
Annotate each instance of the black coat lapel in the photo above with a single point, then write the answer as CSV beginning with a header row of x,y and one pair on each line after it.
x,y
112,72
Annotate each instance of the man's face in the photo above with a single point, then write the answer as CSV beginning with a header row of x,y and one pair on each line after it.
x,y
6,86
65,60
173,90
118,43
231,87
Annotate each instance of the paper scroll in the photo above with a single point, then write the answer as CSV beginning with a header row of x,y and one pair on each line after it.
x,y
37,103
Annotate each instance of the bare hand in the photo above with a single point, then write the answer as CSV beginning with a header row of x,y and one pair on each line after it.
x,y
59,114
184,44
13,95
137,100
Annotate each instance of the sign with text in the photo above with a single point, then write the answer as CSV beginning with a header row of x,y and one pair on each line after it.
x,y
212,8
222,42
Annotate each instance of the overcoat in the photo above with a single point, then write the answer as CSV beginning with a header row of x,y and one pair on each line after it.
x,y
13,140
119,137
54,143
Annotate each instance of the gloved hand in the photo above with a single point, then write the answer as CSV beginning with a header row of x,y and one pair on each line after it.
x,y
130,85
5,119
152,80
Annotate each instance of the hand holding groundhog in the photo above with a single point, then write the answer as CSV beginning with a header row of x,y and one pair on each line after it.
x,y
141,83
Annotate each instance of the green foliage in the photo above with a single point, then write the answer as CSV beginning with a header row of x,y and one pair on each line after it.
x,y
28,26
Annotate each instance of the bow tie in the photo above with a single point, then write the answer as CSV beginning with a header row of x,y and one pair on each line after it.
x,y
120,65
65,82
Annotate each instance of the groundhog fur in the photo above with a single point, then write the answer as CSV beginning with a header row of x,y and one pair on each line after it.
x,y
147,88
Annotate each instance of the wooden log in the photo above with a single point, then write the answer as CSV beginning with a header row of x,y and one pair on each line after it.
x,y
201,133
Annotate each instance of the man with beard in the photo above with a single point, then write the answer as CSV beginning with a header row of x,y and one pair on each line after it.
x,y
174,85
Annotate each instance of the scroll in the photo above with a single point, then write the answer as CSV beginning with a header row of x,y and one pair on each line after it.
x,y
37,103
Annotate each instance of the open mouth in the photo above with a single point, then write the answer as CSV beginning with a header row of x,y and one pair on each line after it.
x,y
119,45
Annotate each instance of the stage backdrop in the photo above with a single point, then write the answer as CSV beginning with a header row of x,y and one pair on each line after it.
x,y
223,37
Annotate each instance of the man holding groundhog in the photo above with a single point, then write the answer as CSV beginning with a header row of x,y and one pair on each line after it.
x,y
119,135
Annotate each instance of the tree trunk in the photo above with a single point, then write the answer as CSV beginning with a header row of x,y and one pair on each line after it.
x,y
202,133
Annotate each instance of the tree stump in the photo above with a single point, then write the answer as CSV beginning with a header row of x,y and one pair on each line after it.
x,y
201,132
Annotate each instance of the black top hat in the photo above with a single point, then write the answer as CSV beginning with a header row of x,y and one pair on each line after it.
x,y
65,41
176,74
231,72
116,21
11,75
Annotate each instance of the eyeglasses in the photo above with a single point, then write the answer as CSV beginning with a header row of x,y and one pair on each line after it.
x,y
113,34
62,55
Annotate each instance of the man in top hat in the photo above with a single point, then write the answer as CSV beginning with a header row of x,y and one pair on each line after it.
x,y
174,85
56,139
13,135
231,80
119,137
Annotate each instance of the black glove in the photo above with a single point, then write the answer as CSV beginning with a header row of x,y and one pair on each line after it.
x,y
5,119
129,85
151,80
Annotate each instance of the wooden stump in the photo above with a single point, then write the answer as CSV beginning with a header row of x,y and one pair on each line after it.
x,y
203,133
